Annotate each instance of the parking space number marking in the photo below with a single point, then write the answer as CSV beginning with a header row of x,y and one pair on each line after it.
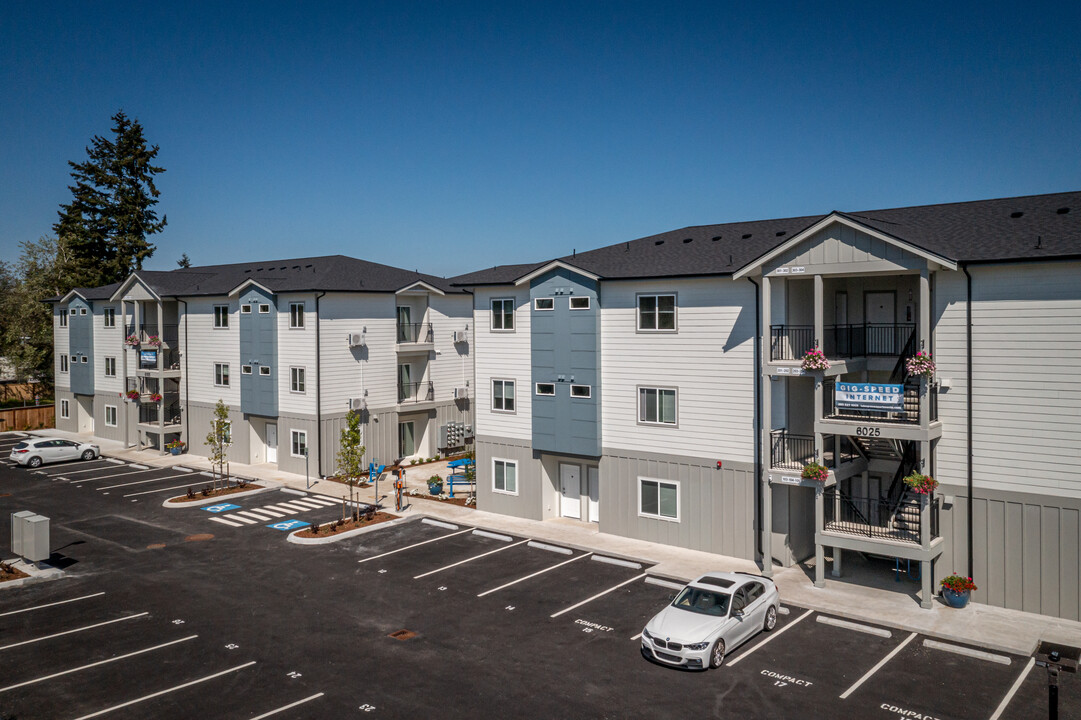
x,y
780,680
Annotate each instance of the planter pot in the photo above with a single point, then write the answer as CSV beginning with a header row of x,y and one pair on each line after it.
x,y
174,451
956,599
435,489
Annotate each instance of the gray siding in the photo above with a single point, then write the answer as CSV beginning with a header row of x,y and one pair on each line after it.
x,y
529,502
834,248
259,348
125,412
70,423
286,461
199,418
81,347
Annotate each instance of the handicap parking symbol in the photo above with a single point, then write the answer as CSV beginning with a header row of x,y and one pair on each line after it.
x,y
288,525
224,507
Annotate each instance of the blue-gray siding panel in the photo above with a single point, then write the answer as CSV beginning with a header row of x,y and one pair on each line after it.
x,y
258,348
81,346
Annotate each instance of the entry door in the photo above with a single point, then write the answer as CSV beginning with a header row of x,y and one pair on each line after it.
x,y
405,384
404,326
594,494
406,439
879,309
570,483
272,442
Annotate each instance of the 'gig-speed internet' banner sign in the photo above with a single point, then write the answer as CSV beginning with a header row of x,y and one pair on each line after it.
x,y
868,396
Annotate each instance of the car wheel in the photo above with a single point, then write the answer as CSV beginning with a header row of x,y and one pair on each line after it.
x,y
88,455
34,462
716,655
771,619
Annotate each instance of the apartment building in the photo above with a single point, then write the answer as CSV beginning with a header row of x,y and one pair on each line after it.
x,y
655,387
291,346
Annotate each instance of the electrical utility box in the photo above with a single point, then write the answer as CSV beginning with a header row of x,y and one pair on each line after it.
x,y
36,538
17,521
451,435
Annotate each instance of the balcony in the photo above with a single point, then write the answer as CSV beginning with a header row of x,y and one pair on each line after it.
x,y
168,334
789,451
415,336
169,412
876,518
790,342
910,415
416,392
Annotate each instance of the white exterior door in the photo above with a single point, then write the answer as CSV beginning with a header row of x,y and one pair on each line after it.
x,y
272,442
570,484
594,485
880,310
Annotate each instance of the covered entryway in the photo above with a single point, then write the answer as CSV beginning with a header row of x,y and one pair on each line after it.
x,y
272,442
84,408
570,491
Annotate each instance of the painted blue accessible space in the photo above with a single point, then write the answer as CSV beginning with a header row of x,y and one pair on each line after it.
x,y
223,507
288,525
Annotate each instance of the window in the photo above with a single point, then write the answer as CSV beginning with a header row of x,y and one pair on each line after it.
x,y
82,311
296,379
110,415
296,315
264,308
109,316
299,443
63,363
503,314
546,389
505,476
581,391
245,369
658,499
71,311
63,317
544,304
110,367
84,359
221,374
503,395
245,309
657,405
64,409
656,312
221,316
264,370
580,303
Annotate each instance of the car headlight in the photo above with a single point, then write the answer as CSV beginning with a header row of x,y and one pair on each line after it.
x,y
645,634
697,646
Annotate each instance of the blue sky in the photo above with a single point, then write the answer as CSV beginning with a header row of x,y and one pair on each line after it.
x,y
454,136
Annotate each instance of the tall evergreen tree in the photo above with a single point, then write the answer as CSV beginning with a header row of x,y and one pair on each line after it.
x,y
184,261
111,213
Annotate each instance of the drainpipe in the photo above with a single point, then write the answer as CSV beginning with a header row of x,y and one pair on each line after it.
x,y
767,563
968,410
187,418
318,396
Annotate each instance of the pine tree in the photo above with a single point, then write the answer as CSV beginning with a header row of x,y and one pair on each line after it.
x,y
184,261
111,214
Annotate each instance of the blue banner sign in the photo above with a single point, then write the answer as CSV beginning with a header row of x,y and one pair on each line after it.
x,y
148,358
868,396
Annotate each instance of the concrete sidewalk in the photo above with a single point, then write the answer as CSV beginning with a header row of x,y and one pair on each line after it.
x,y
874,598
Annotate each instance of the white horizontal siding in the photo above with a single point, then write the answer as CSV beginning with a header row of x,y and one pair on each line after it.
x,y
204,345
296,348
61,346
452,365
108,342
504,355
347,372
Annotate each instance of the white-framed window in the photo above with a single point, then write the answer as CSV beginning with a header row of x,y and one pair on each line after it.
x,y
110,367
221,374
84,359
82,311
108,316
503,314
245,369
65,409
657,406
299,443
544,303
546,388
110,415
296,315
221,316
581,302
63,363
264,370
581,391
63,317
296,379
503,395
658,499
245,309
72,311
657,313
505,476
264,308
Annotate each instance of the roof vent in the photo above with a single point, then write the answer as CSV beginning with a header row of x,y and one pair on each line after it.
x,y
782,233
716,238
296,267
746,235
658,242
248,270
1062,211
687,240
1016,214
307,266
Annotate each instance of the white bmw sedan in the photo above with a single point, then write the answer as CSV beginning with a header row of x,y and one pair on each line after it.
x,y
710,617
34,452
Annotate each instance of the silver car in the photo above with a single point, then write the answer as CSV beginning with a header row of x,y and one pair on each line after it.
x,y
711,616
37,451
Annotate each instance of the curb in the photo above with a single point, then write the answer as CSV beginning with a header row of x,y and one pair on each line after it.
x,y
212,501
292,537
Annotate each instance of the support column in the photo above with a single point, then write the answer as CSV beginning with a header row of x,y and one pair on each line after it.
x,y
137,321
161,380
925,344
819,341
820,554
927,593
767,423
124,371
819,312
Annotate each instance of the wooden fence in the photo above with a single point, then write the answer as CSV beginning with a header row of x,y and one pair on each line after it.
x,y
34,417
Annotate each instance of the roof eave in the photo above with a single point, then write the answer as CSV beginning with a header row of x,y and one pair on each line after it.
x,y
552,266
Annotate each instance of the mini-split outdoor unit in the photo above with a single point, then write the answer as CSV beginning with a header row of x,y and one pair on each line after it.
x,y
358,404
461,393
356,339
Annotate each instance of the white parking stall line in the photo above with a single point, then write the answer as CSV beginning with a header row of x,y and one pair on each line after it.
x,y
735,661
95,664
283,708
280,508
600,594
252,514
166,691
307,504
69,632
471,559
52,604
1013,689
637,637
271,513
409,547
325,502
294,508
223,521
527,577
99,468
878,666
104,477
141,482
244,520
158,490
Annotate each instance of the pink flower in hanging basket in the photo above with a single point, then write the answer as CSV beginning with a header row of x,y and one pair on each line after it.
x,y
815,359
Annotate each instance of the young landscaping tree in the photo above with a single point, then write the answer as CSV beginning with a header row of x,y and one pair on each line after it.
x,y
351,453
219,439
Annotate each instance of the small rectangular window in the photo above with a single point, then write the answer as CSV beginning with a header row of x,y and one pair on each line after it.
x,y
296,315
580,303
264,369
71,311
221,316
505,476
657,405
264,308
503,395
658,499
82,311
657,312
64,412
63,317
544,304
503,314
110,367
296,379
581,391
299,443
221,374
109,317
245,369
546,389
84,359
245,309
110,415
63,363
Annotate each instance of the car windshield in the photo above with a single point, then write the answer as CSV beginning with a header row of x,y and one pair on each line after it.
x,y
706,602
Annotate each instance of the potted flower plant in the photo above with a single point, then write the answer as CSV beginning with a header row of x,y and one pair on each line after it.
x,y
153,341
814,471
956,590
435,485
133,395
815,359
175,447
155,397
132,340
919,483
920,364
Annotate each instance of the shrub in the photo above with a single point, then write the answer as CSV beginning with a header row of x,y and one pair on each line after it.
x,y
191,494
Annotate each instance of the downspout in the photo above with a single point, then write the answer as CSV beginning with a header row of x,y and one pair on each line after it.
x,y
766,562
318,395
968,393
187,418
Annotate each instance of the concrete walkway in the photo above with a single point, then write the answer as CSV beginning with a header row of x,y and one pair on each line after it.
x,y
865,594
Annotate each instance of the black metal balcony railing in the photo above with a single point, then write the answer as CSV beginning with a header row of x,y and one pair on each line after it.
x,y
150,413
876,518
415,333
909,416
790,342
790,451
168,333
416,392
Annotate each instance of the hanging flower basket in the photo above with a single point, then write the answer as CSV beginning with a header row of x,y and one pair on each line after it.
x,y
132,340
133,394
155,397
814,471
920,364
153,341
919,483
815,359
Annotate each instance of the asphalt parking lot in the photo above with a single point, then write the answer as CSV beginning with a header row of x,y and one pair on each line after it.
x,y
155,619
